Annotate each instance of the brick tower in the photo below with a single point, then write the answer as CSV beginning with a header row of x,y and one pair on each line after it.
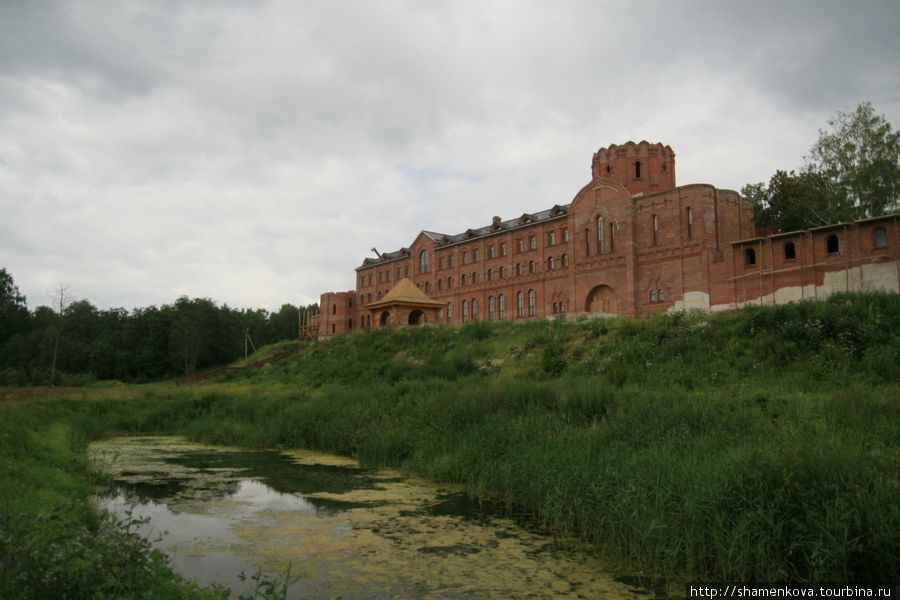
x,y
641,168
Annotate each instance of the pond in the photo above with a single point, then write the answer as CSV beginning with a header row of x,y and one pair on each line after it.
x,y
344,531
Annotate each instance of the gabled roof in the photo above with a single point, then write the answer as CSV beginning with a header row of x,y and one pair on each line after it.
x,y
386,257
443,239
406,293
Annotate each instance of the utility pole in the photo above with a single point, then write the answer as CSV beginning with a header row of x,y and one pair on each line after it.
x,y
247,339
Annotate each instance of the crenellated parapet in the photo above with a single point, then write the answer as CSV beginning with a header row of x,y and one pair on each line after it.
x,y
641,168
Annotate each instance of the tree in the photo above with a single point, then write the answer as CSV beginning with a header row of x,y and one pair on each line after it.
x,y
791,202
61,304
852,172
859,157
13,311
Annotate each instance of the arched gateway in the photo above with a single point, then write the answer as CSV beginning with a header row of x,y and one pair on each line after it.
x,y
602,299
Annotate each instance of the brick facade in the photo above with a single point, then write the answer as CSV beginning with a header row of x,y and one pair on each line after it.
x,y
630,242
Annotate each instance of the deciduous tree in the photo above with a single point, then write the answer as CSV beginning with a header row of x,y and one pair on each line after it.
x,y
852,172
859,158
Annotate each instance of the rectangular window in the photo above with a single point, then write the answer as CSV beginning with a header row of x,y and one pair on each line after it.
x,y
655,230
690,222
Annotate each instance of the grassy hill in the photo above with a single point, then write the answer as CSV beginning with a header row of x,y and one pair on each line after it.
x,y
760,445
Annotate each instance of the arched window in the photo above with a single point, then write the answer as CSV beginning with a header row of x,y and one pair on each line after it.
x,y
474,308
612,237
551,264
790,251
490,252
465,258
518,268
750,256
474,278
661,295
551,238
532,243
440,284
565,260
652,295
462,279
879,237
562,307
423,261
531,267
503,249
601,245
449,282
655,230
832,245
490,274
501,306
520,245
449,311
427,286
554,308
502,272
465,315
491,308
520,304
532,297
637,169
690,222
475,255
587,242
565,235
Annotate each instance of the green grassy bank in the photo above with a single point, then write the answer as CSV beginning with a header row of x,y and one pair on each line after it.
x,y
758,445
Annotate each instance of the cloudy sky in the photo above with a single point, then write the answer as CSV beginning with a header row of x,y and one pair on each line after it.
x,y
253,152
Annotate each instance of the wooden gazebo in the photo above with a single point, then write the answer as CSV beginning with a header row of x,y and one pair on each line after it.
x,y
404,305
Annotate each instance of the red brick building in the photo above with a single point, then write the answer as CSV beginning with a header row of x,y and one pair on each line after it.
x,y
630,242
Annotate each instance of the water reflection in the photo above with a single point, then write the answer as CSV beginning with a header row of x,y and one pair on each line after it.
x,y
346,532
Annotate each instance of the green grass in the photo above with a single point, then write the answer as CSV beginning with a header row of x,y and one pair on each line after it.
x,y
760,445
